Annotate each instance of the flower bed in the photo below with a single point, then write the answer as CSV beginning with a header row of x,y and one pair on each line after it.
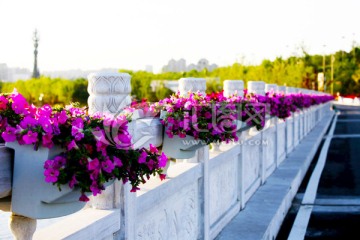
x,y
212,118
96,148
282,105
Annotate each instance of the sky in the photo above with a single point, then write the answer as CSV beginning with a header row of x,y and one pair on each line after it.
x,y
88,34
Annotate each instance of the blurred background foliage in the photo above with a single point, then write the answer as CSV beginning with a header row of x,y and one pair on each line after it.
x,y
295,71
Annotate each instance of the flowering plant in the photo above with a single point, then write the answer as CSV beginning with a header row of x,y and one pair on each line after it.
x,y
278,104
300,100
319,99
143,109
96,148
200,117
281,105
250,110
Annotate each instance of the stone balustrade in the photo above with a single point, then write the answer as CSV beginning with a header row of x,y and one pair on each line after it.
x,y
199,197
271,87
192,84
281,89
232,87
256,87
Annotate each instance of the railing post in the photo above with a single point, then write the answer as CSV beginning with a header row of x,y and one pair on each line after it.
x,y
271,87
233,87
256,87
110,93
203,158
290,124
22,228
281,89
187,85
192,84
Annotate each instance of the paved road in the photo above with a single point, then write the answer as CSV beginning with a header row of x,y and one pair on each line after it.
x,y
335,213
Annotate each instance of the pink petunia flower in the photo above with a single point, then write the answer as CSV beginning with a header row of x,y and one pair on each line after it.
x,y
163,160
134,189
83,198
3,103
107,166
153,149
62,117
47,141
162,176
9,135
51,175
94,175
28,122
73,181
19,104
45,124
94,164
30,137
45,111
117,162
94,188
142,157
72,145
59,161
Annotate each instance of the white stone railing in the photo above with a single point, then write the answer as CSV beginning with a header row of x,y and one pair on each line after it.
x,y
200,195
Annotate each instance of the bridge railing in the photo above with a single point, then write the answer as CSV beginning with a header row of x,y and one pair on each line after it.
x,y
200,195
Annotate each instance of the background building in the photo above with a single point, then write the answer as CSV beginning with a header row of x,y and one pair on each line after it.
x,y
13,74
180,66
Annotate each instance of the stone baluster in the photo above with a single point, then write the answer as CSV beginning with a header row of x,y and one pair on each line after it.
x,y
109,93
281,89
271,87
290,90
256,87
233,87
192,84
22,228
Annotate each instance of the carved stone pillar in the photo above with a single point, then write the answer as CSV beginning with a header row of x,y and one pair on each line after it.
x,y
281,89
256,87
109,92
271,87
22,228
233,86
290,90
192,84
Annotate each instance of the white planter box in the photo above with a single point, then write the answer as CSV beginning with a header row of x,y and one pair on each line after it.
x,y
31,195
146,131
181,148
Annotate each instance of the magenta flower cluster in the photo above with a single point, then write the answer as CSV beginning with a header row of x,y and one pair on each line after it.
x,y
212,118
282,105
199,117
96,148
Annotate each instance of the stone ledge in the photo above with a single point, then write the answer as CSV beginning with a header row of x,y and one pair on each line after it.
x,y
86,224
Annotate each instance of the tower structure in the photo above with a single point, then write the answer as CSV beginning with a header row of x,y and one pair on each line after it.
x,y
36,73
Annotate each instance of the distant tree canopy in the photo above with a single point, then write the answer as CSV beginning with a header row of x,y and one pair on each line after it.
x,y
50,90
293,71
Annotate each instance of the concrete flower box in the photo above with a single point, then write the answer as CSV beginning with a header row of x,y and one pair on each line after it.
x,y
181,148
31,195
146,131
